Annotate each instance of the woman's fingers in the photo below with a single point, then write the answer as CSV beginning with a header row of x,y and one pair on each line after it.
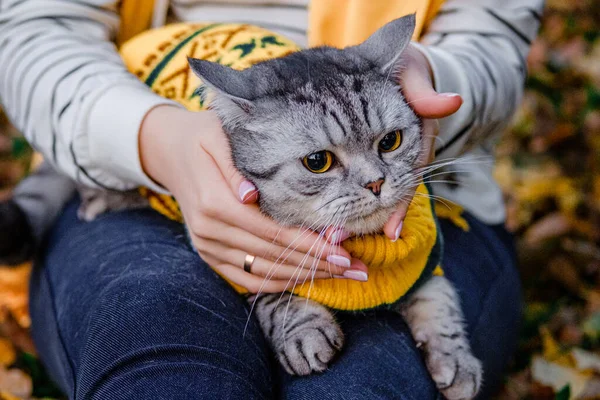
x,y
254,284
275,260
303,240
270,270
393,226
337,235
417,86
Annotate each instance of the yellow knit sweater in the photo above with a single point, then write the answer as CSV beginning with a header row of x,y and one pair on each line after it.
x,y
159,58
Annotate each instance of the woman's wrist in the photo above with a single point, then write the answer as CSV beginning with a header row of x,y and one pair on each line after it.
x,y
153,138
166,136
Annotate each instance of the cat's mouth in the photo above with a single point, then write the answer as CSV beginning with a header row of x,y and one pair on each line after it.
x,y
369,223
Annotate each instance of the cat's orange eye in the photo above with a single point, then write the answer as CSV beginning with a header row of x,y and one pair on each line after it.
x,y
390,142
318,162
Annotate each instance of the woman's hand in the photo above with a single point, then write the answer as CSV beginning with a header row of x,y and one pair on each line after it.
x,y
188,153
417,86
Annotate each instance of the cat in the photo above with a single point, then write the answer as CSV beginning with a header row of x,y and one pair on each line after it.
x,y
314,131
326,134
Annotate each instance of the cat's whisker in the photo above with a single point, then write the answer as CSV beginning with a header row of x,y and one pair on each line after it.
x,y
276,265
339,217
462,159
465,160
299,269
253,304
334,224
441,199
279,261
447,181
390,70
330,222
341,199
313,270
436,138
454,171
266,279
283,257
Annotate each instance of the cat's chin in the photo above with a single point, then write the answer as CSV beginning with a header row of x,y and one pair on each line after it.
x,y
368,224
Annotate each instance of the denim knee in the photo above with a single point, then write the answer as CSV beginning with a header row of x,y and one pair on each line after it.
x,y
380,360
155,327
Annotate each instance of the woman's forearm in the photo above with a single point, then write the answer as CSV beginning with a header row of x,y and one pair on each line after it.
x,y
65,87
479,50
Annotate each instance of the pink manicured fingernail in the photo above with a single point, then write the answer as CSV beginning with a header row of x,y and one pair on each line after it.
x,y
449,94
356,275
246,187
340,261
398,230
339,235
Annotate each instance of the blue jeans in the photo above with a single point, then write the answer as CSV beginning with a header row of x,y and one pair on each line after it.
x,y
123,308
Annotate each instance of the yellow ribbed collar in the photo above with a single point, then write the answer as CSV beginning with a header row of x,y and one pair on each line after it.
x,y
394,267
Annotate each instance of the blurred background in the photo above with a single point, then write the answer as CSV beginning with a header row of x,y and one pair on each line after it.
x,y
549,168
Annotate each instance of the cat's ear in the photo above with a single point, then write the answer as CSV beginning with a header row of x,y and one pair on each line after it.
x,y
385,46
229,85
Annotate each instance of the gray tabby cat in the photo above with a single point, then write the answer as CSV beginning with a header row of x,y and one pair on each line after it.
x,y
317,132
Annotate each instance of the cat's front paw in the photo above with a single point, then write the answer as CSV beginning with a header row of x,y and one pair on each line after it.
x,y
303,334
91,207
308,350
455,371
95,202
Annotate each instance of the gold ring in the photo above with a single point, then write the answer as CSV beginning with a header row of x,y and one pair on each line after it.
x,y
248,261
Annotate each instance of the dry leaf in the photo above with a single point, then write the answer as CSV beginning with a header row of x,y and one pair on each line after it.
x,y
7,396
18,335
565,272
557,376
593,302
517,387
571,335
14,296
550,226
584,360
7,352
592,390
16,382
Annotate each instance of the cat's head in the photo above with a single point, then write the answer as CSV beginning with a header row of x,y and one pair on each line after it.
x,y
324,134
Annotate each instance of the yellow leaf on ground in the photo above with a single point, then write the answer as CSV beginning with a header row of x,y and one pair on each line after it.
x,y
14,287
8,396
551,349
7,352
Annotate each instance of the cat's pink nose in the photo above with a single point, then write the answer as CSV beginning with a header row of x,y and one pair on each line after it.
x,y
375,186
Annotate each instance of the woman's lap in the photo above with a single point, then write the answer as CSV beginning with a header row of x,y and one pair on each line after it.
x,y
127,298
122,308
